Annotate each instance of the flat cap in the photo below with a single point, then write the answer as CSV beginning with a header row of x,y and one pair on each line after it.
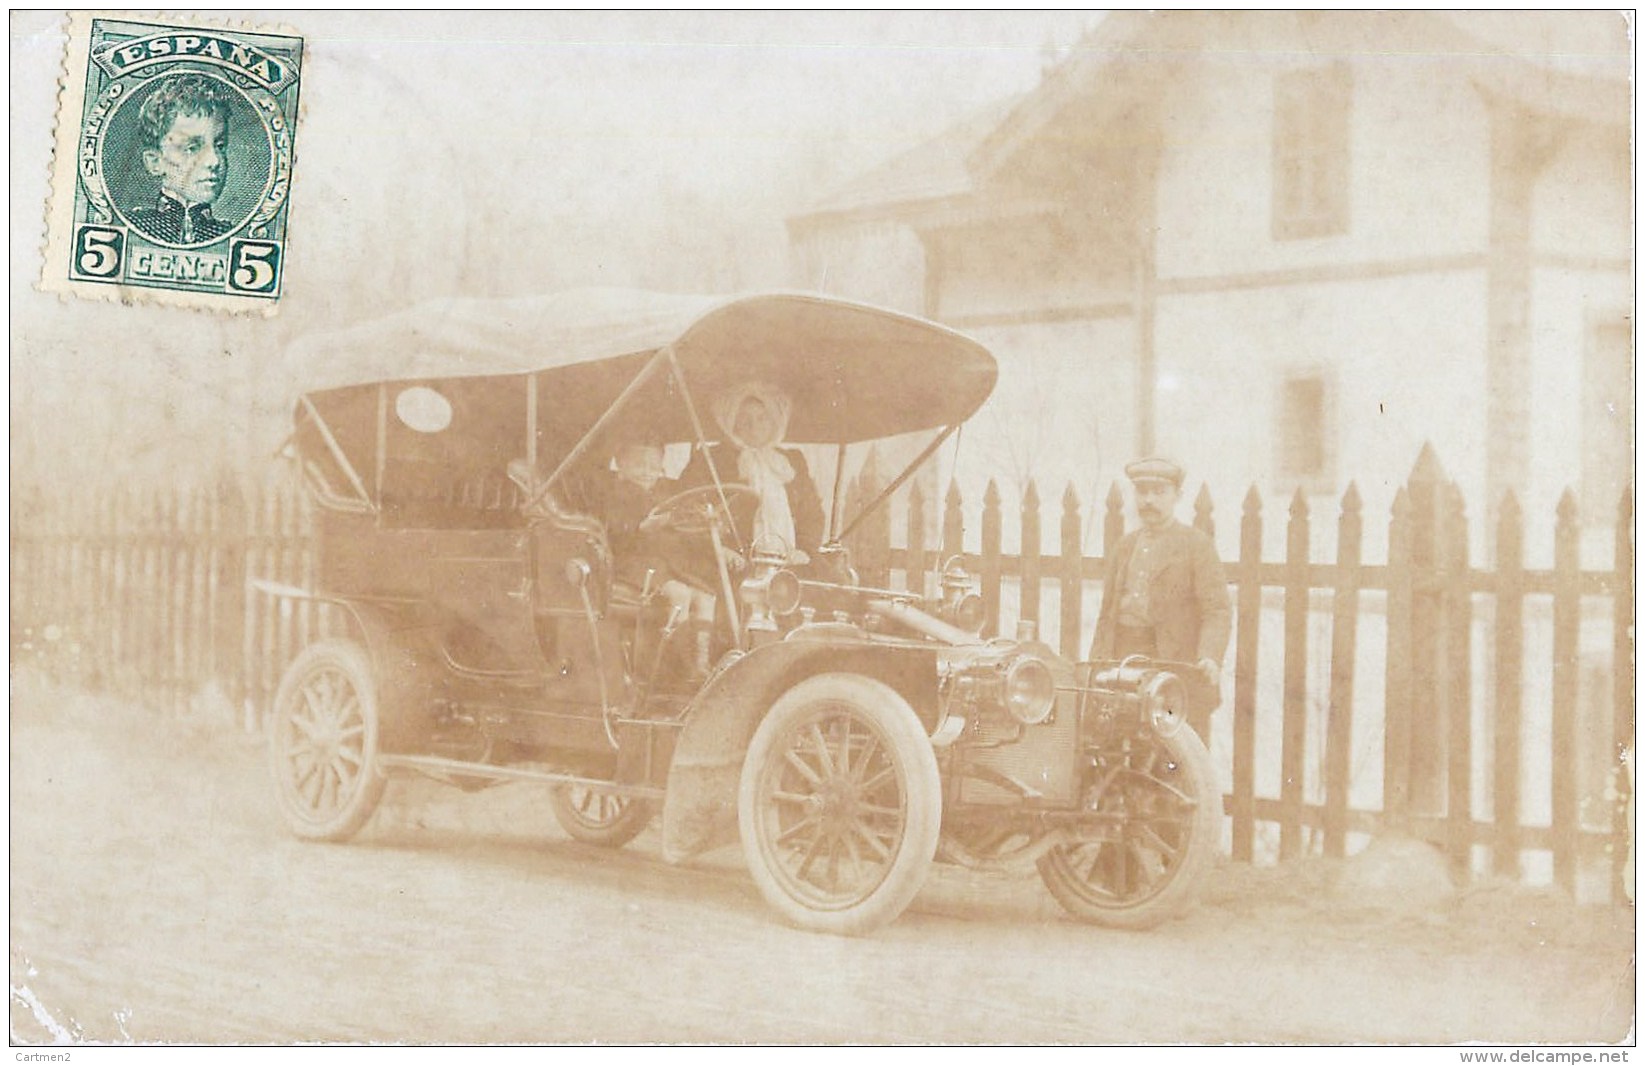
x,y
1154,468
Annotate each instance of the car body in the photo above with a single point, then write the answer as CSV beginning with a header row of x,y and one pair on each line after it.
x,y
849,736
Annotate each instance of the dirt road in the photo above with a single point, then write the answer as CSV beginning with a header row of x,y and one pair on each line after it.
x,y
155,897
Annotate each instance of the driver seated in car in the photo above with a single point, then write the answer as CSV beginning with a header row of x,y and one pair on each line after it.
x,y
640,546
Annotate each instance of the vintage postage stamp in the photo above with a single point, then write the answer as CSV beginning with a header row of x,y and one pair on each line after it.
x,y
171,180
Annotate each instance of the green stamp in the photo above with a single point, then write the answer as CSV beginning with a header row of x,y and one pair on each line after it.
x,y
177,142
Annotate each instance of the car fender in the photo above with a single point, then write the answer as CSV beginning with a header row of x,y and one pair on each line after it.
x,y
700,806
406,662
396,639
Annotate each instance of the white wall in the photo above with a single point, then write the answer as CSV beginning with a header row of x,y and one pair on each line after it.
x,y
1406,366
1581,205
1563,303
1581,211
1419,163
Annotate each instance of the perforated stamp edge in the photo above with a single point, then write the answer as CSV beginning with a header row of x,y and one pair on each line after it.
x,y
60,226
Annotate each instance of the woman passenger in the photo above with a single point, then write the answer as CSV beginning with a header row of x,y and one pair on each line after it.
x,y
788,513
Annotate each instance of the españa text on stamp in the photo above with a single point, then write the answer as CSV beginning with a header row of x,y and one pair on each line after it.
x,y
172,176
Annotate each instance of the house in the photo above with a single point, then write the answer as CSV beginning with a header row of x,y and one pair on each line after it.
x,y
1287,248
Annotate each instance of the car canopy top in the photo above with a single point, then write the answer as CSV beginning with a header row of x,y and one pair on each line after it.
x,y
450,391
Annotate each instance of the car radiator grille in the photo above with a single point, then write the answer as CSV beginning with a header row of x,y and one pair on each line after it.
x,y
1042,761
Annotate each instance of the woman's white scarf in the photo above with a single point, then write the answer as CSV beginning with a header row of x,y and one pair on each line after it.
x,y
765,469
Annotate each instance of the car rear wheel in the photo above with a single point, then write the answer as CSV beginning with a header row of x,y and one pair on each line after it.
x,y
323,742
595,816
1157,815
840,804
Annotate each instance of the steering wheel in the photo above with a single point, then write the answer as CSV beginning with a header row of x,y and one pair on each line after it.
x,y
694,510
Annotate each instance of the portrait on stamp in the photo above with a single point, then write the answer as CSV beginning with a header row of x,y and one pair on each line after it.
x,y
182,160
171,155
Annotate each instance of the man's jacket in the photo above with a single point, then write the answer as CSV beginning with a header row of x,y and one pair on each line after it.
x,y
1188,600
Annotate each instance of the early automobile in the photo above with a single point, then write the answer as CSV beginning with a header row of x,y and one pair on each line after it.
x,y
849,735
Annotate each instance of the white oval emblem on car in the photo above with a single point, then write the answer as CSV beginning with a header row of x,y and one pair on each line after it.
x,y
423,409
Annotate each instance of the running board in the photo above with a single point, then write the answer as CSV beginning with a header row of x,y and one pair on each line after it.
x,y
439,767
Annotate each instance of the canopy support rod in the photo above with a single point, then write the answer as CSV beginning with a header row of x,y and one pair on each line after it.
x,y
839,491
708,453
380,465
896,483
531,423
594,431
337,453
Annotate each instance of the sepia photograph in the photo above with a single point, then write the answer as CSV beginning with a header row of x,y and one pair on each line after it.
x,y
1082,528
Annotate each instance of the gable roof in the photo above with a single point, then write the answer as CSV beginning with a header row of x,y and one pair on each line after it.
x,y
933,170
1570,63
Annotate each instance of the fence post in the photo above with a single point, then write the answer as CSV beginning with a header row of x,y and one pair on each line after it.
x,y
120,574
1113,522
231,534
131,626
876,528
871,543
1294,734
1339,727
1029,583
1567,827
154,642
1458,691
1622,690
102,587
991,559
172,591
953,523
1073,573
914,576
1510,670
1427,722
1396,736
258,630
165,594
852,505
201,636
1202,512
1248,612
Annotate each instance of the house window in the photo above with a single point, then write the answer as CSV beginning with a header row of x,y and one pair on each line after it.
x,y
1311,153
1304,428
1607,417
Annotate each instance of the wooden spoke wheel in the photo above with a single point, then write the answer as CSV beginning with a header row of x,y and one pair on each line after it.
x,y
1153,832
323,737
595,816
840,804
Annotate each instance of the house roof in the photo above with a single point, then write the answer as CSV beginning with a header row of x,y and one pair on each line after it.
x,y
1571,63
933,170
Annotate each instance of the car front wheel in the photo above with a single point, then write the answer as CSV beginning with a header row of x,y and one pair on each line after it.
x,y
1154,822
840,804
323,742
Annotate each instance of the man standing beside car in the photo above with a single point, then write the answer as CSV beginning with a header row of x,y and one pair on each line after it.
x,y
1165,595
